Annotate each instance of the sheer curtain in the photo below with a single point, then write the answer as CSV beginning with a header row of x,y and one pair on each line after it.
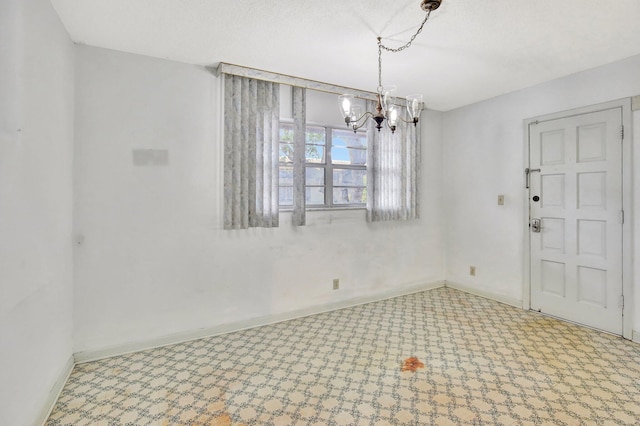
x,y
299,146
251,133
394,172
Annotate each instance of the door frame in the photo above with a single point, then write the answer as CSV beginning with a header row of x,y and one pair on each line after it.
x,y
627,205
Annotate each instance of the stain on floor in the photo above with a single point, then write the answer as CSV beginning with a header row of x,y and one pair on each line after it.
x,y
411,364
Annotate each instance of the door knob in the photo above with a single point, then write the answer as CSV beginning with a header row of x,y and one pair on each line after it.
x,y
536,225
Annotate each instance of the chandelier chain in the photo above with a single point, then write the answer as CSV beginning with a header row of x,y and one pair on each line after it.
x,y
398,49
408,44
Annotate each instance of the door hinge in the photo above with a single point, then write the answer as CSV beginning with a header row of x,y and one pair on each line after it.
x,y
621,302
622,131
622,217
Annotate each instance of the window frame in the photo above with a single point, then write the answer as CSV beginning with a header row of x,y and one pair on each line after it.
x,y
328,167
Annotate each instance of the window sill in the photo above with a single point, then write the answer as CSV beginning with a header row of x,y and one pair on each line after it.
x,y
326,209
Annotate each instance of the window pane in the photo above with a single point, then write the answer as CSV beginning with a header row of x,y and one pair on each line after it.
x,y
286,176
286,195
353,156
346,196
347,177
286,153
315,176
316,135
348,139
315,195
314,154
348,147
286,132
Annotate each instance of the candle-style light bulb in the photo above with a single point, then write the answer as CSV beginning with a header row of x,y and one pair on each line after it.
x,y
393,115
346,106
414,107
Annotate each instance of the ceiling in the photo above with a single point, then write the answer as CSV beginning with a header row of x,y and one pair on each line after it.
x,y
470,50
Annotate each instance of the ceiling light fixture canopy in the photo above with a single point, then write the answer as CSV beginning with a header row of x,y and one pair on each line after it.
x,y
386,110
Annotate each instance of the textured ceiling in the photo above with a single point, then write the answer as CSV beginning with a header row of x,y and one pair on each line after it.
x,y
470,50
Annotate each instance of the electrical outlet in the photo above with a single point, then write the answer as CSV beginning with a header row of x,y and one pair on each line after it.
x,y
336,283
472,271
501,200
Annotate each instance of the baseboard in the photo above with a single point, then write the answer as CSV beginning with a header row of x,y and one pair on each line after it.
x,y
486,294
94,355
635,336
54,393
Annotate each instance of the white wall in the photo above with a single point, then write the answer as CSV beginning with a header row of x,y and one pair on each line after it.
x,y
36,154
484,157
153,260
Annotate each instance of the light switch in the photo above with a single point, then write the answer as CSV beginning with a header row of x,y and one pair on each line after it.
x,y
501,200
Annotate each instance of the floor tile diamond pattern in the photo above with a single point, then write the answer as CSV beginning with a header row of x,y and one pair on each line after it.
x,y
484,363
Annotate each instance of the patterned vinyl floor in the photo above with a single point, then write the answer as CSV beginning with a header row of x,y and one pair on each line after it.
x,y
484,363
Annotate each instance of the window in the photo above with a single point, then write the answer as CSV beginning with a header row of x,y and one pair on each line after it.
x,y
335,167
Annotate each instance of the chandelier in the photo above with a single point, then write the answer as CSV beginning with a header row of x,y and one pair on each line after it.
x,y
386,109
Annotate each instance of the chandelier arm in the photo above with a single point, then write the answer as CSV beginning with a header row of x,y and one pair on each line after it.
x,y
414,121
354,123
356,128
407,121
408,44
366,114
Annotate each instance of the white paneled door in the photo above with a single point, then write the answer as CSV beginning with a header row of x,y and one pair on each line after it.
x,y
575,200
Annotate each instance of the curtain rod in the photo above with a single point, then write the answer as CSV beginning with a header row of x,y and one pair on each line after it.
x,y
225,68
